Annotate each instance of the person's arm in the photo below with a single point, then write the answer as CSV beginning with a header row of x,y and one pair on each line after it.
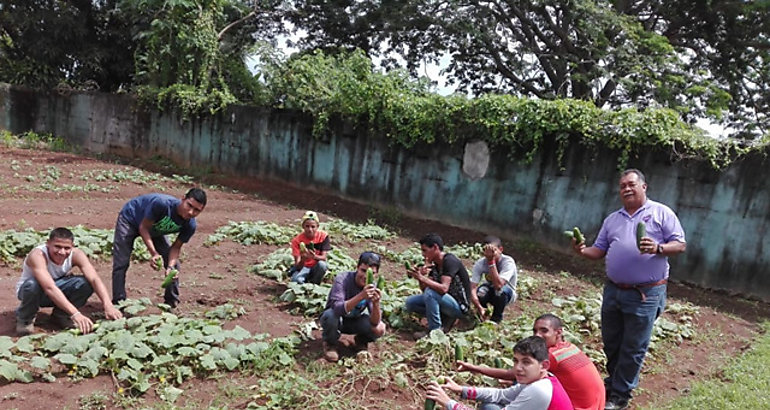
x,y
375,315
322,249
367,292
440,287
144,233
39,265
476,302
590,252
492,254
174,252
442,399
506,374
80,260
320,255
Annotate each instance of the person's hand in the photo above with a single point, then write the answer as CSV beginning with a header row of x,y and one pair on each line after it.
x,y
438,394
82,322
482,313
376,296
648,245
490,252
369,292
156,261
412,273
450,385
112,313
578,247
465,366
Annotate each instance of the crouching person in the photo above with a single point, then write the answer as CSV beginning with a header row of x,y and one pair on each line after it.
x,y
47,281
349,298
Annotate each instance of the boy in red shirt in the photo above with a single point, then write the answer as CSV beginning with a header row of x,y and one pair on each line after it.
x,y
309,263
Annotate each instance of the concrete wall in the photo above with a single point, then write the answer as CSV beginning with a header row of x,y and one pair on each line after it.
x,y
725,214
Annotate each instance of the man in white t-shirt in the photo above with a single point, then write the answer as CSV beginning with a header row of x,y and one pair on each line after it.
x,y
47,281
498,287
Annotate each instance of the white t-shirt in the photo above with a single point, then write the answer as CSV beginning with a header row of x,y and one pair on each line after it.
x,y
56,271
506,268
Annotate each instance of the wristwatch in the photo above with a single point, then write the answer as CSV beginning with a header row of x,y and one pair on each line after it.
x,y
659,251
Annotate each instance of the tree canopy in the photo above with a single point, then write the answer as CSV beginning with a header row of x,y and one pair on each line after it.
x,y
699,57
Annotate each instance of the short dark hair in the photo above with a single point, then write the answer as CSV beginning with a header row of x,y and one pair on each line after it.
x,y
634,171
432,239
370,259
197,194
554,320
61,233
493,240
533,346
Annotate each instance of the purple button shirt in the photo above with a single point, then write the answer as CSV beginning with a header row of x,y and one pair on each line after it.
x,y
625,264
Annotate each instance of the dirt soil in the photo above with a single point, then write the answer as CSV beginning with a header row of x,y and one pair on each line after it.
x,y
216,275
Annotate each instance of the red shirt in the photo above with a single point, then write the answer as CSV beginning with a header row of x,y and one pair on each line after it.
x,y
320,244
578,375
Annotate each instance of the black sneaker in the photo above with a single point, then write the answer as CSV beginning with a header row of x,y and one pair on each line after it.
x,y
616,403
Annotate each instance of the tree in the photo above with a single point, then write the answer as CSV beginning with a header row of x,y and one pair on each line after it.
x,y
81,43
698,57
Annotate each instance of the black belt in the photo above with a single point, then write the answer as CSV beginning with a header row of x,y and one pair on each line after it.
x,y
640,286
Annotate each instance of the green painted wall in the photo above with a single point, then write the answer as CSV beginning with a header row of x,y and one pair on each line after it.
x,y
726,215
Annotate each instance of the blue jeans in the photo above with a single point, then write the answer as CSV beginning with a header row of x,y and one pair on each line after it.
x,y
332,326
627,323
77,289
488,296
122,246
433,306
309,275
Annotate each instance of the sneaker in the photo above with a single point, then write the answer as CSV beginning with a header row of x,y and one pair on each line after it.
x,y
24,329
62,319
330,353
616,403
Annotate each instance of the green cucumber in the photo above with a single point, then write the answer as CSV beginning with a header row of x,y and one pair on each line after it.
x,y
159,263
302,247
440,380
459,353
369,276
169,278
577,235
76,331
569,234
408,265
641,232
430,404
498,363
380,283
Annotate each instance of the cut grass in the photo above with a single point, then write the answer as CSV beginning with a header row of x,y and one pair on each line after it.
x,y
743,384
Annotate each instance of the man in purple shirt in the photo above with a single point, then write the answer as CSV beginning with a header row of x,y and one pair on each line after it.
x,y
635,293
349,297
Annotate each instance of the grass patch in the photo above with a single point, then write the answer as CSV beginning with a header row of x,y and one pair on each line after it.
x,y
743,384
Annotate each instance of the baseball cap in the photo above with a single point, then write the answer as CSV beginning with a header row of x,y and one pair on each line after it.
x,y
310,215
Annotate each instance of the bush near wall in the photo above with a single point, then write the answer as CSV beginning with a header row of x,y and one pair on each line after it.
x,y
407,112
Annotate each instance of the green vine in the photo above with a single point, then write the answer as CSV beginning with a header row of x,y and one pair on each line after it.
x,y
407,113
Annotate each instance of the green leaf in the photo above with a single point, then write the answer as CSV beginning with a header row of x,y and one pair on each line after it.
x,y
6,343
40,362
170,393
66,358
